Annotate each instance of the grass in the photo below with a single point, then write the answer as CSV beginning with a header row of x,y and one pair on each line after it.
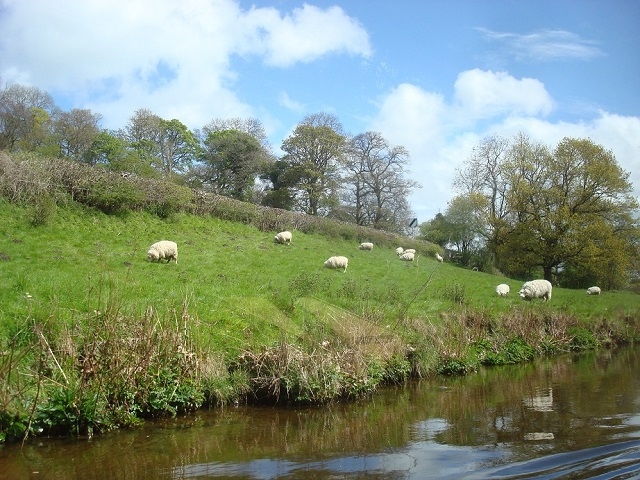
x,y
239,315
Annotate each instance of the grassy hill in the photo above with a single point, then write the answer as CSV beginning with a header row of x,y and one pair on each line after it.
x,y
105,337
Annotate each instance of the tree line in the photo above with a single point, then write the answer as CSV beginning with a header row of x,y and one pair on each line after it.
x,y
323,171
526,210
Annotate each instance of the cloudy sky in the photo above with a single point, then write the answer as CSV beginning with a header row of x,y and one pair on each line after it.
x,y
433,76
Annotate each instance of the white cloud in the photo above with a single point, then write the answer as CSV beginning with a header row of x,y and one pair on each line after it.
x,y
287,102
307,34
440,135
485,94
114,56
544,45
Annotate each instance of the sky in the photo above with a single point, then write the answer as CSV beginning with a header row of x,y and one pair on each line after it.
x,y
433,76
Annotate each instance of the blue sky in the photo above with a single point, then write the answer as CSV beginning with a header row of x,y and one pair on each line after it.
x,y
433,76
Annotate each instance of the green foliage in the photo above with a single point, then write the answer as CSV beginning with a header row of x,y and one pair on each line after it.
x,y
582,339
515,350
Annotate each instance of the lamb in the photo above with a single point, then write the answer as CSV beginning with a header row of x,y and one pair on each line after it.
x,y
161,250
439,257
593,291
536,289
399,251
366,246
410,250
283,237
407,256
502,290
337,262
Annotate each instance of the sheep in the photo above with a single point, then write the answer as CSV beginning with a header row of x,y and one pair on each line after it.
x,y
366,246
283,237
407,256
502,290
399,251
536,289
593,291
337,262
163,249
410,250
439,257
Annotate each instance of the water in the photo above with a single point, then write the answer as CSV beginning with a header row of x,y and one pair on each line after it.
x,y
567,417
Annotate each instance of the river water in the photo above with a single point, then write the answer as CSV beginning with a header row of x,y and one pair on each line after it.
x,y
574,416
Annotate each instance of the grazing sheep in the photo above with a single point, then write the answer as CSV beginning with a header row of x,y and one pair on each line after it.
x,y
399,251
407,256
439,257
161,250
536,289
283,237
410,250
366,246
593,291
337,262
502,290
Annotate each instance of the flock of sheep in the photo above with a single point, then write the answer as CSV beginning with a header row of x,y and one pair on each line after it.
x,y
168,250
537,289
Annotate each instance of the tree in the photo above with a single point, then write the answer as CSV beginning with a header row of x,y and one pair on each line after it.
x,y
25,117
312,154
167,145
280,195
460,228
76,130
436,230
115,153
485,174
374,184
251,126
231,162
568,208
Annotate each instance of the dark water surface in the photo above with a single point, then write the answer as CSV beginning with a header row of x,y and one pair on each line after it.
x,y
575,416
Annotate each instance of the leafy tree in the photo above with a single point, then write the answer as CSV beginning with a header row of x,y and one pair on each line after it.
x,y
114,152
251,126
143,133
231,162
280,195
553,213
569,205
25,117
312,154
167,145
75,131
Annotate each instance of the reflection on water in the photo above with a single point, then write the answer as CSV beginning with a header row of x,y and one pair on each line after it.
x,y
568,417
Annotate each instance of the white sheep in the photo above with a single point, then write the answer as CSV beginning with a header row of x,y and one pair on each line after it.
x,y
593,291
439,257
337,262
410,250
399,251
366,246
161,250
283,237
536,289
503,290
407,256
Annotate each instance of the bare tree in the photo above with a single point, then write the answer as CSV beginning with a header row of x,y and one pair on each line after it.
x,y
374,182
